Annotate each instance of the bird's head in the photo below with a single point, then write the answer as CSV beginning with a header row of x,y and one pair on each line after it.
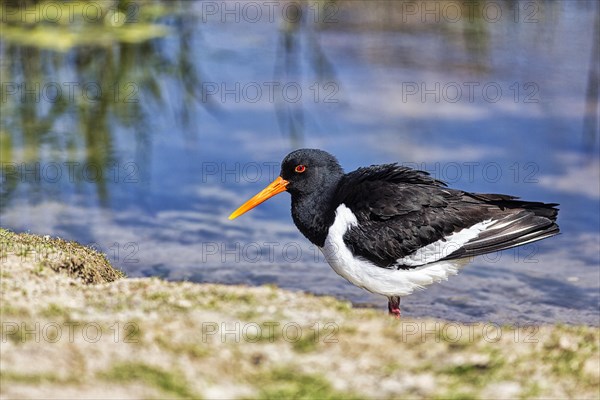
x,y
303,172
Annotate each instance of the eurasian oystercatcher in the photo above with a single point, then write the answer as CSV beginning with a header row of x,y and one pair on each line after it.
x,y
391,229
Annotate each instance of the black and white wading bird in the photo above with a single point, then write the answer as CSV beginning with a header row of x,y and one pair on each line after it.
x,y
391,229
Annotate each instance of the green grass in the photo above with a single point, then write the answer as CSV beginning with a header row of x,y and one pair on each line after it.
x,y
286,383
170,382
190,349
9,310
305,344
55,311
34,379
569,358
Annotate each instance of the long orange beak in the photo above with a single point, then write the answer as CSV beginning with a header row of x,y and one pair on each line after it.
x,y
275,187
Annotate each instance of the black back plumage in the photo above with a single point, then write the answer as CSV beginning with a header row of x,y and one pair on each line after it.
x,y
400,210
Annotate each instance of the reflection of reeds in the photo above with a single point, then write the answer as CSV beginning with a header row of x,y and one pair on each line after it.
x,y
63,25
592,106
407,19
106,75
288,62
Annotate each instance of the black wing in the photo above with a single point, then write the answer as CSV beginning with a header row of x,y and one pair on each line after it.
x,y
400,210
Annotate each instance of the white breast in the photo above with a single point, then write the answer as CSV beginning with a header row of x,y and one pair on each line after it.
x,y
394,282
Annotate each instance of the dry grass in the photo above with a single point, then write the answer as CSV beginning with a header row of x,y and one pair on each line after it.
x,y
147,338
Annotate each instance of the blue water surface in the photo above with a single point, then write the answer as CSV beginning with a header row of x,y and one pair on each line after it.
x,y
501,105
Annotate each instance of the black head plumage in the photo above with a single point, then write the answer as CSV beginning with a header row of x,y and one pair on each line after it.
x,y
313,177
310,171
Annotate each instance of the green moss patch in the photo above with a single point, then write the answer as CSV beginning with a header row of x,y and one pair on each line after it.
x,y
170,382
287,383
71,258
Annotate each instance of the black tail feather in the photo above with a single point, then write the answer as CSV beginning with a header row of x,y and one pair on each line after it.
x,y
517,223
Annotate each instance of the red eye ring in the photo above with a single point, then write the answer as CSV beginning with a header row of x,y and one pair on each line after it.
x,y
300,168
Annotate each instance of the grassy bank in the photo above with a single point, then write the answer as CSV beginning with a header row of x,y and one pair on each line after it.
x,y
73,327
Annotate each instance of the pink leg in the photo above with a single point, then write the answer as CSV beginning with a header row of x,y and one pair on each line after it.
x,y
394,306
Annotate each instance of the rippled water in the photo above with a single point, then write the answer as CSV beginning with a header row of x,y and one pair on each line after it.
x,y
186,126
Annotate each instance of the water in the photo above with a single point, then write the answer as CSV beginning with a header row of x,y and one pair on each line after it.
x,y
161,138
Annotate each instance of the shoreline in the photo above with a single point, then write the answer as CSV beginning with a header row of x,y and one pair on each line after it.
x,y
68,331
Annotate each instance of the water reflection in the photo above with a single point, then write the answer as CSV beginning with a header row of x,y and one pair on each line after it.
x,y
64,98
295,33
591,118
141,113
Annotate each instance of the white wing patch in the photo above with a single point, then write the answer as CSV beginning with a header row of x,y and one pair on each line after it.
x,y
444,247
394,282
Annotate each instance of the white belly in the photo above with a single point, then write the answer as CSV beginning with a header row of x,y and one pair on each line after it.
x,y
391,282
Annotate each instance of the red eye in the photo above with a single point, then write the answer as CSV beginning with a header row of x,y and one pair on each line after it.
x,y
300,168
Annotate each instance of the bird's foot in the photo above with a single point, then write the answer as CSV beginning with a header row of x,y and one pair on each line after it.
x,y
394,306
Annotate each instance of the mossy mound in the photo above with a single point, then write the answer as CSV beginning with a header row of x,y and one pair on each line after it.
x,y
70,258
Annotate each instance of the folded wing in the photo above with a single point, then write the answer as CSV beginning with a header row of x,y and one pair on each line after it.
x,y
407,219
